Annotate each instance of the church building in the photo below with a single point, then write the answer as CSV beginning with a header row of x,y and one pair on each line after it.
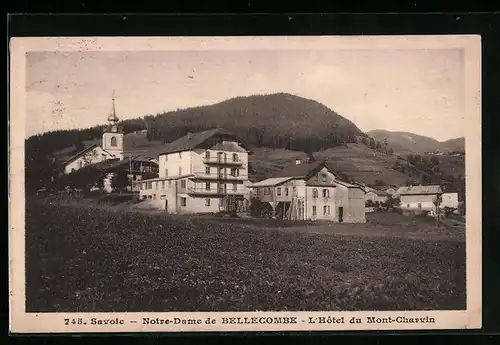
x,y
114,152
111,148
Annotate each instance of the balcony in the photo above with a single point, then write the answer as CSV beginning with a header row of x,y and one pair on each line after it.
x,y
222,161
216,191
218,176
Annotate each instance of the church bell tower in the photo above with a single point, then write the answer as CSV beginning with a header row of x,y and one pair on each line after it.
x,y
112,139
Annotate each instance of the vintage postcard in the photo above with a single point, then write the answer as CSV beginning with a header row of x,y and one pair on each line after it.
x,y
220,184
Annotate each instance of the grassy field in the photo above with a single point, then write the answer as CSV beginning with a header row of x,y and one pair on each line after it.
x,y
356,160
95,259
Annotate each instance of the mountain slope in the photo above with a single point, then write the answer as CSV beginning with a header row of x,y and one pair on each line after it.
x,y
405,142
364,165
453,145
277,120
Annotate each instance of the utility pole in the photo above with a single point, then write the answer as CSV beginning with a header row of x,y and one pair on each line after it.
x,y
437,203
130,171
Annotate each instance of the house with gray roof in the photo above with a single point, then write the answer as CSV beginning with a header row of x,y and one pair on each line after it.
x,y
203,172
419,199
309,191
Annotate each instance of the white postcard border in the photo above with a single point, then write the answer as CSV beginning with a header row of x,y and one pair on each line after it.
x,y
22,322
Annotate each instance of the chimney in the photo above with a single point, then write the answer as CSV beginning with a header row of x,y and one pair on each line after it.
x,y
297,161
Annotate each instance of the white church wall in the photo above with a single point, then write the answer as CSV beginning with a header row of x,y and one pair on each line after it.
x,y
93,156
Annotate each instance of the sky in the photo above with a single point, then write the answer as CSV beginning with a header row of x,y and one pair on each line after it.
x,y
412,90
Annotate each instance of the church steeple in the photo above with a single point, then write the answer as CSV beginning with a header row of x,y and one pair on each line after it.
x,y
112,118
112,139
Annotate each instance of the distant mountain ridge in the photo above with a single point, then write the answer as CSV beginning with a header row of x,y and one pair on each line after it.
x,y
405,142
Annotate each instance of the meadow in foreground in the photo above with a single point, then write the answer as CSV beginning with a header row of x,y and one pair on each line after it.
x,y
92,259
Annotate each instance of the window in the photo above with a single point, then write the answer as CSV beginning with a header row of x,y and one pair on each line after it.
x,y
163,184
278,191
419,205
170,183
267,191
315,193
326,193
207,170
180,171
323,177
407,205
183,202
207,155
183,183
235,157
221,188
286,191
328,209
325,210
235,172
235,187
113,141
207,202
150,197
225,156
140,185
166,172
207,186
314,210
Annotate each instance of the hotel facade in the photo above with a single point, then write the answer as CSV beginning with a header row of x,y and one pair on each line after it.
x,y
205,172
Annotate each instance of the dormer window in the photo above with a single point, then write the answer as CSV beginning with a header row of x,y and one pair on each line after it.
x,y
235,157
323,177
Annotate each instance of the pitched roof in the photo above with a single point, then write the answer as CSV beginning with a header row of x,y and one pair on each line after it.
x,y
142,158
349,185
79,154
378,192
193,140
270,182
419,190
301,170
116,163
